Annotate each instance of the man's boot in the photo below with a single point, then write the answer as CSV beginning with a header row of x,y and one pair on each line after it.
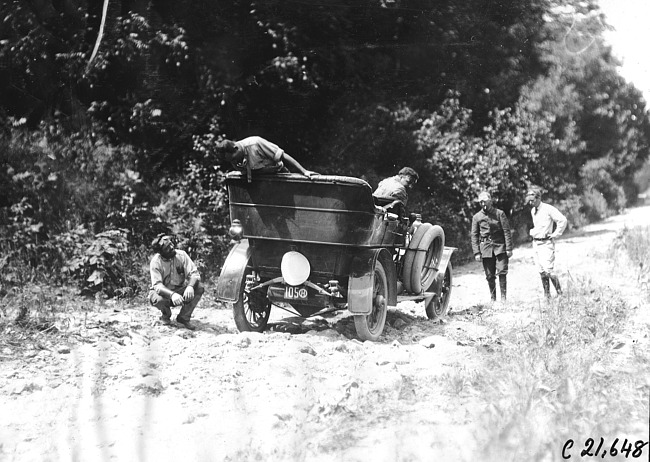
x,y
493,289
547,286
556,283
503,285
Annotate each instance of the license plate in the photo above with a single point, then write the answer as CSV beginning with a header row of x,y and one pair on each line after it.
x,y
295,292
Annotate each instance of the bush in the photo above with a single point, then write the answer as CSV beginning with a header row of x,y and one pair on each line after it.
x,y
594,205
642,181
596,178
574,209
56,189
106,264
27,253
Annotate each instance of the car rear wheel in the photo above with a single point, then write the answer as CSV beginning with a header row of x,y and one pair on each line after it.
x,y
423,257
438,307
370,326
252,309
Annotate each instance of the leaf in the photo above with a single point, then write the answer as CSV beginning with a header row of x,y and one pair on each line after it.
x,y
36,228
97,277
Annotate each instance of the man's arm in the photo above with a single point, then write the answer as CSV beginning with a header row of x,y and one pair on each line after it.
x,y
475,237
531,231
156,274
291,161
190,269
192,273
507,232
560,222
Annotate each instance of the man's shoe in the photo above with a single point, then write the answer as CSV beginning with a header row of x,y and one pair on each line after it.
x,y
187,324
165,320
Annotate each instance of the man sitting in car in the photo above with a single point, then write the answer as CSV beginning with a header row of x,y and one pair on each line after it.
x,y
396,187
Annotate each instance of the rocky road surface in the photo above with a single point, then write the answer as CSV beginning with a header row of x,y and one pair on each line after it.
x,y
124,388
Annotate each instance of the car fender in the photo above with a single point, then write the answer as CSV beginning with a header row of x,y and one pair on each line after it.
x,y
362,278
436,286
232,272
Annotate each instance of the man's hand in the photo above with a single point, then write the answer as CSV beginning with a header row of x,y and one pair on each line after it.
x,y
309,174
478,257
177,300
509,253
188,295
395,203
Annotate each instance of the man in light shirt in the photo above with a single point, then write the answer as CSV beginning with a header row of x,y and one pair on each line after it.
x,y
175,281
548,224
255,154
396,187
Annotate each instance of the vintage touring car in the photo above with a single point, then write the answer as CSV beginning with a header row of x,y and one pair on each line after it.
x,y
325,244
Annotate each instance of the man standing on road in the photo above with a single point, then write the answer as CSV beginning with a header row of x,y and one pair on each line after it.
x,y
255,154
175,281
545,218
396,187
492,244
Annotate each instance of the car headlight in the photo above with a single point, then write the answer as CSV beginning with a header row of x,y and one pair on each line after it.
x,y
236,230
295,268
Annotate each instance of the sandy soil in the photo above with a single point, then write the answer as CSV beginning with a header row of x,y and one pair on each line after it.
x,y
125,388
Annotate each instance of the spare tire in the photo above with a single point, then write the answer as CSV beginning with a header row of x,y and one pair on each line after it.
x,y
422,258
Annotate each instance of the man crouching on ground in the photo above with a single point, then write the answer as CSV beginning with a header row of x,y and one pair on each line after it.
x,y
170,269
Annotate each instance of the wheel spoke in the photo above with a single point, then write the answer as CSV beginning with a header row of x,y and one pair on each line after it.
x,y
252,310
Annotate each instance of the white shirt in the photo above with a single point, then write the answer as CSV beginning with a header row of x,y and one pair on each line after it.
x,y
392,188
543,218
172,273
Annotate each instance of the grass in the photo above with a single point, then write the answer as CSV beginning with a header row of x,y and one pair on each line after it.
x,y
580,369
636,244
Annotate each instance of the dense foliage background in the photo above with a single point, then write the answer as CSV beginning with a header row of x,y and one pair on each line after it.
x,y
96,157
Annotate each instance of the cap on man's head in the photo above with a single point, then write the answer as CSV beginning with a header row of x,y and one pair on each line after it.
x,y
410,172
155,244
532,192
484,196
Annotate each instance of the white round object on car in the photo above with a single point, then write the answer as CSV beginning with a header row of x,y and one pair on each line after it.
x,y
295,268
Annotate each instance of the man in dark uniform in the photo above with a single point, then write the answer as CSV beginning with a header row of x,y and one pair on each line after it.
x,y
492,243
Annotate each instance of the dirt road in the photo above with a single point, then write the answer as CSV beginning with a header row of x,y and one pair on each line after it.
x,y
127,389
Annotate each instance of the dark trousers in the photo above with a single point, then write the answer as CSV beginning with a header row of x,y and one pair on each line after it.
x,y
165,304
493,267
